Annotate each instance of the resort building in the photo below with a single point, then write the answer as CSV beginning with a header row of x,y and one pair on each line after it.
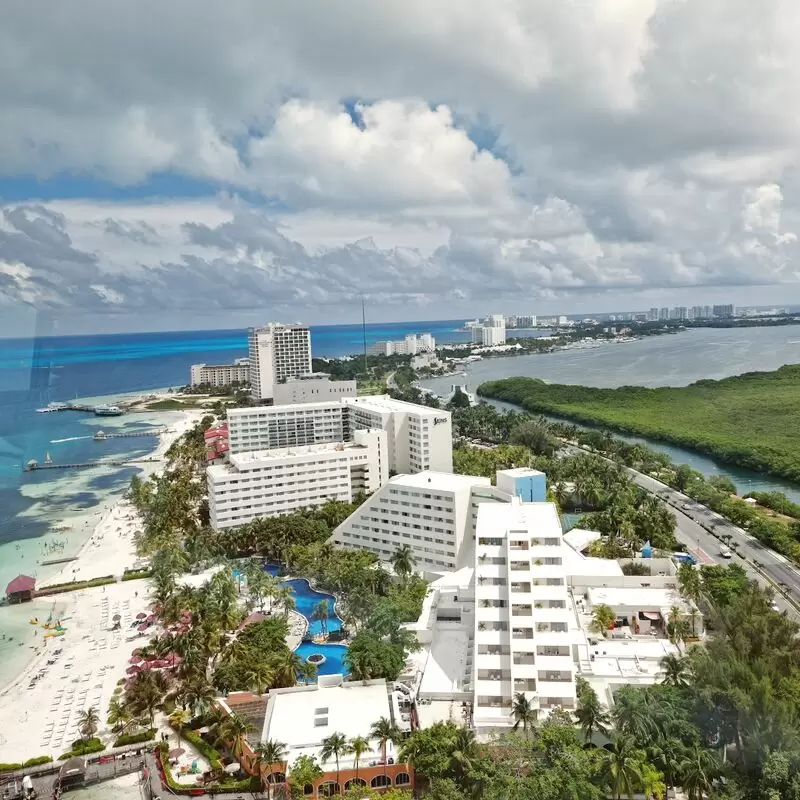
x,y
277,352
316,387
518,616
418,437
431,512
409,346
220,374
303,716
268,483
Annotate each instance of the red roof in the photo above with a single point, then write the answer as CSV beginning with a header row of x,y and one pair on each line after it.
x,y
22,583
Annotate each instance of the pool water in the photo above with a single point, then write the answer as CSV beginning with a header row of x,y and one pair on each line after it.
x,y
306,600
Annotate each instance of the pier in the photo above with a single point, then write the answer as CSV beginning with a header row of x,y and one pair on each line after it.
x,y
35,466
101,436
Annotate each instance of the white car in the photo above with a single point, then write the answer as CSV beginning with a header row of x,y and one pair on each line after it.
x,y
774,606
725,553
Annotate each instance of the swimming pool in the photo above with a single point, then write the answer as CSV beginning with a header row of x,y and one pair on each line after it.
x,y
306,600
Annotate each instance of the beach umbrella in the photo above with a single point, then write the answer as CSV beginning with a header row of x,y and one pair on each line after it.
x,y
137,652
134,660
141,615
178,751
132,670
142,629
152,618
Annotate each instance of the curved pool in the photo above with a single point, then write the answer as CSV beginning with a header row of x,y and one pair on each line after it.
x,y
306,600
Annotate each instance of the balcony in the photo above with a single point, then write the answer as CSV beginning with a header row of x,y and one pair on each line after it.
x,y
522,633
520,566
494,675
524,659
525,685
519,587
521,611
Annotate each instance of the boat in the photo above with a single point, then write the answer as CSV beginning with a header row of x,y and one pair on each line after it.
x,y
108,411
48,459
100,435
50,407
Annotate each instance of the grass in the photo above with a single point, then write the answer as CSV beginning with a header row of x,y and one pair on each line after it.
x,y
752,420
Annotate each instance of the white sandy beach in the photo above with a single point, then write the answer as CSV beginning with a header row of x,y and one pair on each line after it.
x,y
41,704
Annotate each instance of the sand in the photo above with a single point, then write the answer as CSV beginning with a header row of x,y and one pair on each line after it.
x,y
39,707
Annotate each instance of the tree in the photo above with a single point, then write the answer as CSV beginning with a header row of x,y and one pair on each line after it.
x,y
178,719
88,722
603,618
590,714
334,746
233,731
676,670
370,657
119,715
260,676
524,712
384,731
287,665
697,771
320,614
403,561
535,436
358,746
305,771
622,766
269,753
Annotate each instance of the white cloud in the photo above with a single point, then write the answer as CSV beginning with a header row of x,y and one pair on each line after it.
x,y
634,144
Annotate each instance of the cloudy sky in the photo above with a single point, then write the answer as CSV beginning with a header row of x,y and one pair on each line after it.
x,y
207,164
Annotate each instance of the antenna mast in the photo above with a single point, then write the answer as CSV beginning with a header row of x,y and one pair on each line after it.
x,y
364,331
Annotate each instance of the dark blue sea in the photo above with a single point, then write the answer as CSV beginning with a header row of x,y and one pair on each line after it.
x,y
34,372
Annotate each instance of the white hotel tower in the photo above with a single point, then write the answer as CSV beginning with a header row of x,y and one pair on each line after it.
x,y
277,352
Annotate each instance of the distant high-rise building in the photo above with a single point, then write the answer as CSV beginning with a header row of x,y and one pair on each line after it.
x,y
493,335
652,315
277,352
409,346
723,311
680,312
526,322
496,321
663,314
562,319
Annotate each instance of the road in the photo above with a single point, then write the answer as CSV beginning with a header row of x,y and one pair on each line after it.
x,y
693,521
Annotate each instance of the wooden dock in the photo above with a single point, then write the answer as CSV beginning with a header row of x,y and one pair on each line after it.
x,y
101,436
35,466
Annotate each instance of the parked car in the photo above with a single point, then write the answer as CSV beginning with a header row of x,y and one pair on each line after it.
x,y
725,553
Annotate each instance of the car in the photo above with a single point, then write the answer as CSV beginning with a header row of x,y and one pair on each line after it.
x,y
725,553
686,506
774,606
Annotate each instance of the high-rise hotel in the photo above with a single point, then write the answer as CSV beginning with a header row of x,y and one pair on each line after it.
x,y
277,352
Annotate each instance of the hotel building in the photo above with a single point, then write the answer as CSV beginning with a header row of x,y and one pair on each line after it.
x,y
220,374
269,483
277,352
409,346
418,437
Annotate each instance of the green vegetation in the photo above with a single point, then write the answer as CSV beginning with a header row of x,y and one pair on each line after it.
x,y
31,762
722,725
751,420
72,586
83,747
778,502
135,738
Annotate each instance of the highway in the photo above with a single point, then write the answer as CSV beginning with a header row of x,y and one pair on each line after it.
x,y
694,519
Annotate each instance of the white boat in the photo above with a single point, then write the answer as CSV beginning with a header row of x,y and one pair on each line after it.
x,y
50,407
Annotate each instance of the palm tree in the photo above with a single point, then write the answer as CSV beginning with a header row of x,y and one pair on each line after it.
x,y
622,766
403,561
284,597
88,722
591,715
358,746
287,666
268,753
697,770
306,671
320,614
260,676
676,670
233,731
384,731
524,712
197,694
463,753
603,618
119,715
334,745
178,719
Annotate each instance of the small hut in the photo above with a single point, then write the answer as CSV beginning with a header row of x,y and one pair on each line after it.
x,y
72,772
21,590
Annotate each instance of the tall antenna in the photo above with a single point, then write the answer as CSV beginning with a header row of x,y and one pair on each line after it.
x,y
364,331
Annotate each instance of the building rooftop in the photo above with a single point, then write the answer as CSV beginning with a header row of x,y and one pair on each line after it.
x,y
541,518
447,667
520,472
636,597
249,458
579,539
382,402
303,716
439,481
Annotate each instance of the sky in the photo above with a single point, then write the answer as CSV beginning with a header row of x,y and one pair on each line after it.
x,y
205,164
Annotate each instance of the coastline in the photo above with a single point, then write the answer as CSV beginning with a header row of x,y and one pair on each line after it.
x,y
100,542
